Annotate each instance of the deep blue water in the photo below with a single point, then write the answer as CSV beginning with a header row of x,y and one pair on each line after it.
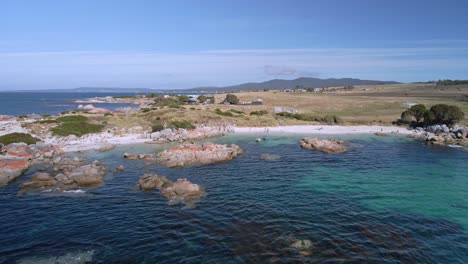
x,y
388,200
23,103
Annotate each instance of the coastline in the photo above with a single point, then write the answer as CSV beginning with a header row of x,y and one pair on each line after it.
x,y
96,141
319,129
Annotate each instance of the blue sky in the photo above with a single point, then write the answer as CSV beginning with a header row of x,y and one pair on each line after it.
x,y
183,44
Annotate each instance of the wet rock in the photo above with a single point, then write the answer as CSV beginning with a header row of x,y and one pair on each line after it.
x,y
323,145
380,134
194,154
42,177
10,169
106,148
132,156
182,191
69,177
120,168
149,182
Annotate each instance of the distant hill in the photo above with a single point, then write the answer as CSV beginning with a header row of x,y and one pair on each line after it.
x,y
275,84
303,82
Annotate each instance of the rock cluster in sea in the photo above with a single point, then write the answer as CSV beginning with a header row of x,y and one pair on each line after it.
x,y
443,135
181,191
16,158
191,154
69,176
323,145
195,154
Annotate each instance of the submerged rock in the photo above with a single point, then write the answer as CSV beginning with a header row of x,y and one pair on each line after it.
x,y
269,157
181,191
323,145
303,246
106,148
194,154
120,168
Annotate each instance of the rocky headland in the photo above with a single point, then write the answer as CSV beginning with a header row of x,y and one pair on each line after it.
x,y
323,145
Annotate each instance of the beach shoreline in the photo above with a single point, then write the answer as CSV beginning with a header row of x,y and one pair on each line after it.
x,y
96,141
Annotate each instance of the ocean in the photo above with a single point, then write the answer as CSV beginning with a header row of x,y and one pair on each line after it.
x,y
24,103
387,200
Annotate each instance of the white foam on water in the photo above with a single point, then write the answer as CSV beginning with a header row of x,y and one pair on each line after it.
x,y
75,191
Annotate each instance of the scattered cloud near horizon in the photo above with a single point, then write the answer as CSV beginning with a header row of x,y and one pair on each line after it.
x,y
70,69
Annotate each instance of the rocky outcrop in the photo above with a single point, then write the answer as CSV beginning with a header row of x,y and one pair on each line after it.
x,y
16,158
323,145
10,169
443,135
195,154
180,192
91,109
181,135
68,177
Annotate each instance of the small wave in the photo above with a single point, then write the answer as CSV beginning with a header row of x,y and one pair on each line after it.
x,y
75,191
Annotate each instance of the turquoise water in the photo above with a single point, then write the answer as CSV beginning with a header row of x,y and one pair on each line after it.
x,y
387,200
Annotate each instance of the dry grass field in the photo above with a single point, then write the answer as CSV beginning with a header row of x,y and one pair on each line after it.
x,y
366,105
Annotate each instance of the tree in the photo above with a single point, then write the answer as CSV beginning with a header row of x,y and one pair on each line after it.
x,y
418,111
231,99
443,114
406,116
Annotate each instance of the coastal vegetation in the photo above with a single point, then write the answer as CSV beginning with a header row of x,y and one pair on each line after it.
x,y
418,115
75,125
328,119
451,82
18,138
231,99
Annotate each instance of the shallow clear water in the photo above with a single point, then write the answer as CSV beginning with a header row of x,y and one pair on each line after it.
x,y
24,103
388,200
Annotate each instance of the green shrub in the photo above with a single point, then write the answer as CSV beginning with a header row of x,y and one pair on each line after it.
x,y
185,124
236,111
48,121
17,138
285,114
76,128
183,99
75,119
176,106
231,99
75,125
157,127
219,112
46,115
108,114
145,110
258,113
